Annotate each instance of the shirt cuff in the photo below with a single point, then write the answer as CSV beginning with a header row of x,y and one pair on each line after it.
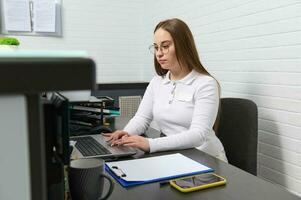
x,y
153,147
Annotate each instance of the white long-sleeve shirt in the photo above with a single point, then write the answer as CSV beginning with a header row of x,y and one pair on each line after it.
x,y
185,111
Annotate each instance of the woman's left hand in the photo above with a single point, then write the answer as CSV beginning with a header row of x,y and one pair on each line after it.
x,y
135,141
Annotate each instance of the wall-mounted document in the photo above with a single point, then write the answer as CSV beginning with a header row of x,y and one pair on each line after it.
x,y
154,169
31,17
44,16
17,15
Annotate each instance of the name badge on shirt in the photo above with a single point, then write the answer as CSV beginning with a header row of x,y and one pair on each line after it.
x,y
184,95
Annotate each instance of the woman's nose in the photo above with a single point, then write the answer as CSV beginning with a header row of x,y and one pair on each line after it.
x,y
159,53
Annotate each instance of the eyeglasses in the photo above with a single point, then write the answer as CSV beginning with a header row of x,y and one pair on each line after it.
x,y
164,48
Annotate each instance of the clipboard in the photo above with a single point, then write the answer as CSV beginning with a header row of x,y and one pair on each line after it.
x,y
154,169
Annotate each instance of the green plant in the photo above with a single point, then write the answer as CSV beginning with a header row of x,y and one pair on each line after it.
x,y
9,41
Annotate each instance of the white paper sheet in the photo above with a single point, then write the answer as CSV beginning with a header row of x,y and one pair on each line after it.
x,y
146,169
17,15
44,14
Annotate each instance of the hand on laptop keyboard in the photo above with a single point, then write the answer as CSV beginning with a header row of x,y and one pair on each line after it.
x,y
115,137
135,141
122,138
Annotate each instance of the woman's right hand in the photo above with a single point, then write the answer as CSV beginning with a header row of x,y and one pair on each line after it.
x,y
114,137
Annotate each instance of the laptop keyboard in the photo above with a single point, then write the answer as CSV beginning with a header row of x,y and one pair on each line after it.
x,y
88,146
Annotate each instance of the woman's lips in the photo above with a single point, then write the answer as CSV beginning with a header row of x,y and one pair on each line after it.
x,y
162,61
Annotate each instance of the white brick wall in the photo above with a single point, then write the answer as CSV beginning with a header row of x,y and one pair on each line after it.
x,y
251,46
253,49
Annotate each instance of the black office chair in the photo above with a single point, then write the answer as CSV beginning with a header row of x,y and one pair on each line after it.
x,y
238,131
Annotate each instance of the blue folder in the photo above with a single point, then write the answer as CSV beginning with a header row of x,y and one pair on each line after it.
x,y
154,169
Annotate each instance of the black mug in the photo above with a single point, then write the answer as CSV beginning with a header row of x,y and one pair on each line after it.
x,y
86,179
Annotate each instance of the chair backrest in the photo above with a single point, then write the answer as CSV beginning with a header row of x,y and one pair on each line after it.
x,y
238,132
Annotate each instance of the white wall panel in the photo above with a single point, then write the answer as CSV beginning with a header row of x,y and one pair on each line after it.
x,y
291,92
110,31
284,65
274,78
279,128
291,118
269,102
280,141
275,164
293,184
278,153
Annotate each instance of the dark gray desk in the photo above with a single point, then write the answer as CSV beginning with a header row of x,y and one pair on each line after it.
x,y
240,184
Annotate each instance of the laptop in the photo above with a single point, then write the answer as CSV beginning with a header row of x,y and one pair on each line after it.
x,y
95,146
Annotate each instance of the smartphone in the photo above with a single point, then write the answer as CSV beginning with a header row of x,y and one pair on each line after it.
x,y
197,182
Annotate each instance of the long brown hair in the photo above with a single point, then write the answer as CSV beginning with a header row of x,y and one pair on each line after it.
x,y
186,51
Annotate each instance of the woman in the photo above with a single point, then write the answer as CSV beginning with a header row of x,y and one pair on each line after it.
x,y
183,99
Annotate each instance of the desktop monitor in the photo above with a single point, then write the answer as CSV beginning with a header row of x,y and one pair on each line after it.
x,y
56,123
25,75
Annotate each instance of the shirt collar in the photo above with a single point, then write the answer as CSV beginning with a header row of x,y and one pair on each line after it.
x,y
188,79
